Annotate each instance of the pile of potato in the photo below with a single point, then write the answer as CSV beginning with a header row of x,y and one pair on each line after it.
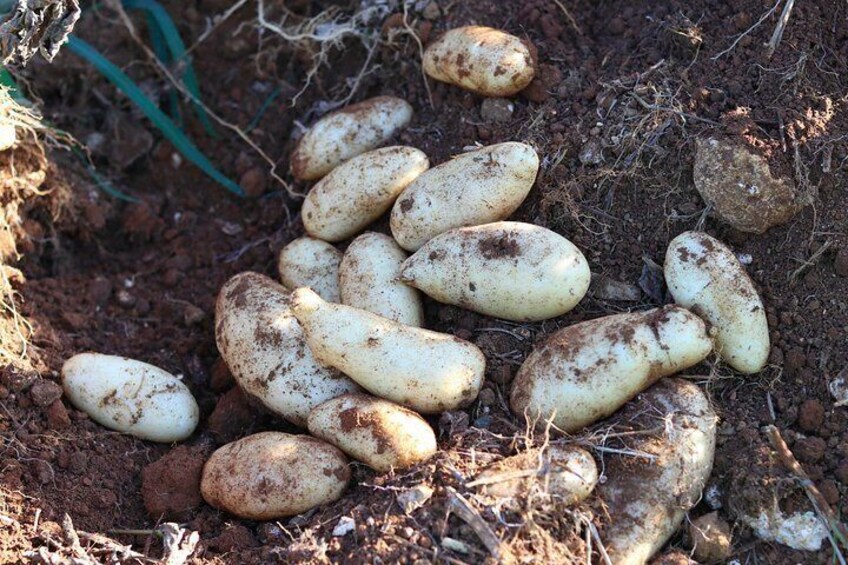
x,y
339,347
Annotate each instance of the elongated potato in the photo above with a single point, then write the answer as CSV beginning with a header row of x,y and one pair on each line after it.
x,y
480,59
346,133
130,396
474,188
647,498
426,371
359,191
368,277
585,372
274,475
566,472
705,276
311,262
265,348
510,270
377,432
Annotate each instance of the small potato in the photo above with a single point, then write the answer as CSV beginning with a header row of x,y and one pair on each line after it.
x,y
565,472
265,348
585,372
474,188
368,277
130,396
313,263
480,59
705,276
359,191
509,270
426,371
346,133
647,498
274,475
377,432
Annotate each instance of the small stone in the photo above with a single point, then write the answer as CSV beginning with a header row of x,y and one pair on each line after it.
x,y
811,415
592,153
125,299
57,416
15,380
254,182
44,392
345,526
840,265
192,315
710,537
414,498
431,11
810,449
605,288
487,397
453,422
99,291
740,187
494,110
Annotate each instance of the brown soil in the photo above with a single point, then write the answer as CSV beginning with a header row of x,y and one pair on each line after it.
x,y
623,92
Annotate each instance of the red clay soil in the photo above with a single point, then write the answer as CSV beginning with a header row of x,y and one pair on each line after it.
x,y
623,91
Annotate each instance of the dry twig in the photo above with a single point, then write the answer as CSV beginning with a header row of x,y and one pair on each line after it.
x,y
778,31
458,505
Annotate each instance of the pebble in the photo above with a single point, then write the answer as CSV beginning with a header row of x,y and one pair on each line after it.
x,y
710,537
192,315
44,392
494,110
125,299
254,182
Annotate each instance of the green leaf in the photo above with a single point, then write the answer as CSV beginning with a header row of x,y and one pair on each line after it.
x,y
159,119
179,58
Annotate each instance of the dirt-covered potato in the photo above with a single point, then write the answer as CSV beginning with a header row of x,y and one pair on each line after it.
x,y
130,396
265,348
311,262
706,277
359,191
368,277
585,372
565,472
377,432
427,371
274,475
480,59
646,498
473,188
346,133
509,270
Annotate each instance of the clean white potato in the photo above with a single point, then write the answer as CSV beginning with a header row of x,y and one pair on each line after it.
x,y
377,432
359,191
585,372
346,133
274,475
130,396
427,371
705,276
480,59
311,262
368,278
647,498
265,349
565,472
473,188
509,270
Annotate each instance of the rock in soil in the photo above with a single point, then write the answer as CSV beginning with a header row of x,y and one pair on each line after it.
x,y
710,537
44,393
171,486
494,110
740,186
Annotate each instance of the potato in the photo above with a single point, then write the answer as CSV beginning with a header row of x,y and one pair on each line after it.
x,y
585,372
346,133
274,475
265,348
426,371
480,59
377,432
474,188
705,276
565,472
509,270
313,263
130,396
646,499
368,279
359,191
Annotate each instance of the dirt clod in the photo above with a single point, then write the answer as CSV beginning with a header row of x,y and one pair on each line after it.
x,y
171,486
710,537
811,415
232,417
44,392
809,449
